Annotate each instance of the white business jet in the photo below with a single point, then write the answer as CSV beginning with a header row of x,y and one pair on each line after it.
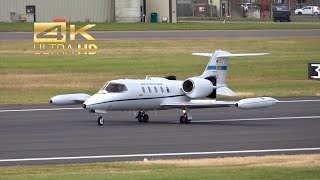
x,y
157,93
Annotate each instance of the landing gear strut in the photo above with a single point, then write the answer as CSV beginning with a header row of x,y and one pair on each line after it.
x,y
142,117
100,120
185,118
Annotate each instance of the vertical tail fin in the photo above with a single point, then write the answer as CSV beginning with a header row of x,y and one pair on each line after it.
x,y
217,65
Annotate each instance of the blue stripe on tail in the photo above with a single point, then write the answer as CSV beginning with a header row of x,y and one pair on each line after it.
x,y
217,68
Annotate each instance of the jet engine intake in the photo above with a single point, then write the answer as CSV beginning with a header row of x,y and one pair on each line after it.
x,y
197,87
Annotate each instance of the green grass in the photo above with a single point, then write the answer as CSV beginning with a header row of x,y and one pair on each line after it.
x,y
32,79
170,172
133,170
167,26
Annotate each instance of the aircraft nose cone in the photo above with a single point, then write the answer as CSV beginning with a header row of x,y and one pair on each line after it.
x,y
84,106
50,101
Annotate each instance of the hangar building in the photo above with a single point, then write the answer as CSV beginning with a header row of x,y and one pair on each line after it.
x,y
87,10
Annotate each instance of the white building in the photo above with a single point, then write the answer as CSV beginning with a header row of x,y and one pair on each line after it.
x,y
86,10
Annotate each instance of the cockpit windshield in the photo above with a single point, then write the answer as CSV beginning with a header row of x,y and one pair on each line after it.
x,y
103,87
115,88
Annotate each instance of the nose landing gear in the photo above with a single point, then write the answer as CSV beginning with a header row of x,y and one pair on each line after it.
x,y
100,120
142,117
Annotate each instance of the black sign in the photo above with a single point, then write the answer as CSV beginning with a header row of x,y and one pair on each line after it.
x,y
314,71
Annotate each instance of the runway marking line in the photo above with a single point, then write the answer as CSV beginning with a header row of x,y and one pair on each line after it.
x,y
30,110
295,101
198,121
160,154
258,119
57,109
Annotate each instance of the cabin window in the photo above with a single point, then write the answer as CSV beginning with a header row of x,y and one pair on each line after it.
x,y
161,89
149,89
116,88
168,91
155,89
143,90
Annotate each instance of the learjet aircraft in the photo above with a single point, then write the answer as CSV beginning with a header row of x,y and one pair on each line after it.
x,y
161,93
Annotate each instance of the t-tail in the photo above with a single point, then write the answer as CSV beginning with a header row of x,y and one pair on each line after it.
x,y
217,68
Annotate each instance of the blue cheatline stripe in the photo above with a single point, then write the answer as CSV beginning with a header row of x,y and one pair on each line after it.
x,y
134,99
217,68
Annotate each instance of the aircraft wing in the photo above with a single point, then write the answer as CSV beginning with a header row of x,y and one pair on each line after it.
x,y
199,104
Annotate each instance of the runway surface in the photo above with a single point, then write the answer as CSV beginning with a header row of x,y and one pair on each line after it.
x,y
72,135
189,34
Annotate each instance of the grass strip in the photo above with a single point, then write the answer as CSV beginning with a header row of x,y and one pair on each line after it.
x,y
32,79
166,26
253,167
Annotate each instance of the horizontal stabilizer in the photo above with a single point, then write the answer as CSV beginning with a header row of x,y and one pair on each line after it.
x,y
222,55
240,55
202,54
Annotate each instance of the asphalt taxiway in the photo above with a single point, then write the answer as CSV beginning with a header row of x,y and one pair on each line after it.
x,y
41,135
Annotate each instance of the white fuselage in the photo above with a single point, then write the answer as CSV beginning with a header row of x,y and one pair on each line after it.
x,y
146,94
155,93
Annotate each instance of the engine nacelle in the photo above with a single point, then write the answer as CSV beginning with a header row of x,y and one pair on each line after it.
x,y
253,103
69,99
197,87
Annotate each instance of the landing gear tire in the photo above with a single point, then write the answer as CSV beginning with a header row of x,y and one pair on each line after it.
x,y
140,119
187,121
181,119
100,121
184,120
145,118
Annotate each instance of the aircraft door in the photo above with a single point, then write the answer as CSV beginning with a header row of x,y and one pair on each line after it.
x,y
223,9
31,13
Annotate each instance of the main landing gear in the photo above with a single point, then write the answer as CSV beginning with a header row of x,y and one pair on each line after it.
x,y
185,118
142,117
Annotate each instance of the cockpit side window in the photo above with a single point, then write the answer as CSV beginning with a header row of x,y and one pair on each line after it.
x,y
116,88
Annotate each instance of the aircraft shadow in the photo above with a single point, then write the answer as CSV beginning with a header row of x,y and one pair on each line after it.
x,y
194,123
